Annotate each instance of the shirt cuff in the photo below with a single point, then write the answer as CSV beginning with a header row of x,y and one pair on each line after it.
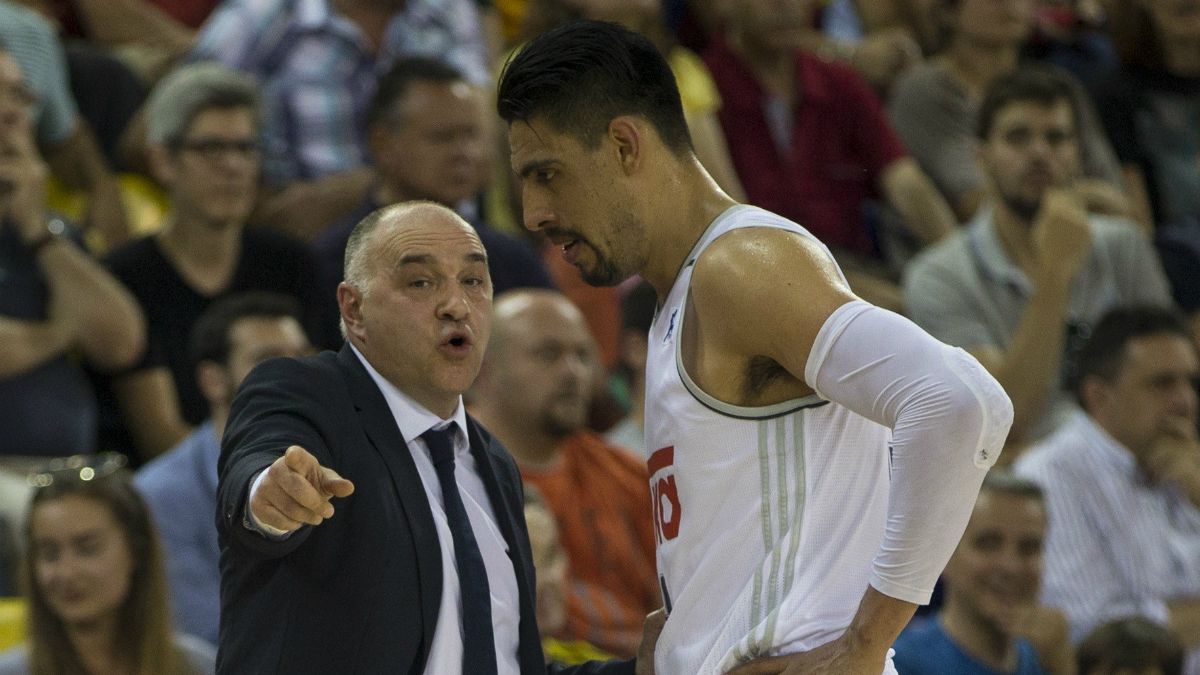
x,y
252,523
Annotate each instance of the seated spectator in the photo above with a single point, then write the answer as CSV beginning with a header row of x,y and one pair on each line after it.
x,y
1179,251
232,336
810,141
317,62
935,108
56,302
1133,646
637,314
93,579
63,137
1022,284
991,621
1122,481
428,142
203,130
1150,104
551,562
532,394
1073,35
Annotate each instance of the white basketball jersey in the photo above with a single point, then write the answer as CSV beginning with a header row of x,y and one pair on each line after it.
x,y
767,519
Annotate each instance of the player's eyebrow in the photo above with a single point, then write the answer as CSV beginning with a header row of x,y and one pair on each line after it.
x,y
535,165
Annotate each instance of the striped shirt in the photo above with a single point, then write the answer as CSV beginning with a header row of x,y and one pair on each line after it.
x,y
1117,545
32,42
318,71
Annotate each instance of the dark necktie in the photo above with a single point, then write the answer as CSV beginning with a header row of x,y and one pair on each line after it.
x,y
479,646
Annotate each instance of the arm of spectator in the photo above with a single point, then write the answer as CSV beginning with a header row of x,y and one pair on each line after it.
x,y
150,409
880,57
1101,196
304,208
25,345
910,15
110,328
713,153
117,22
80,164
1139,197
910,192
1185,621
1048,630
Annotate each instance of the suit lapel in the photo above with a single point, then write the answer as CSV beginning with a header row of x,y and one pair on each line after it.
x,y
380,426
492,460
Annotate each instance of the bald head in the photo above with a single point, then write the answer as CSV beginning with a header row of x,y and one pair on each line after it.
x,y
389,221
524,313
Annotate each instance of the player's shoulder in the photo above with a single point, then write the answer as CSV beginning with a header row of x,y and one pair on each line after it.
x,y
750,241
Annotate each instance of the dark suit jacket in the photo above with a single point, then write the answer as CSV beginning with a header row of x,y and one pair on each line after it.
x,y
360,592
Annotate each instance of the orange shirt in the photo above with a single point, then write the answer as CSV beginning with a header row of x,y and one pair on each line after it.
x,y
600,496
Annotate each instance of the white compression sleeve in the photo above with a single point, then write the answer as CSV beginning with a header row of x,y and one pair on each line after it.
x,y
949,419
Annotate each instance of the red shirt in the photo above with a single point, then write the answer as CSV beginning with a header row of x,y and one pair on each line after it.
x,y
841,144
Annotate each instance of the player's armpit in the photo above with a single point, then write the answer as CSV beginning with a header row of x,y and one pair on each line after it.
x,y
766,292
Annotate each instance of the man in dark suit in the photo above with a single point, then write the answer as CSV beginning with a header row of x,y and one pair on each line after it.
x,y
424,565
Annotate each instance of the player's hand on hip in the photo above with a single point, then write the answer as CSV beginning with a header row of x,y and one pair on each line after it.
x,y
832,658
650,632
296,490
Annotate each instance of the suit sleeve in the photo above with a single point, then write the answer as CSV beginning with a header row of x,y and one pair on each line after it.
x,y
278,405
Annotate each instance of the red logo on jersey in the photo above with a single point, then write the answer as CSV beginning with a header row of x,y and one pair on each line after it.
x,y
664,494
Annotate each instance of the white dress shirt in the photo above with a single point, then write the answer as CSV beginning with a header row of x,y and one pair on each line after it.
x,y
1117,545
447,650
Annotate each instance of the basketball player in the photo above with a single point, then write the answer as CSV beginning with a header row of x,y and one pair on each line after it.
x,y
814,459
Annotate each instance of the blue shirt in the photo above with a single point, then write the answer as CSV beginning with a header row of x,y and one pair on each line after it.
x,y
180,487
318,72
925,649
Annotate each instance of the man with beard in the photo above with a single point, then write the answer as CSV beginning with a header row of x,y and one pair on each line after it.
x,y
991,622
202,126
533,393
1021,286
813,458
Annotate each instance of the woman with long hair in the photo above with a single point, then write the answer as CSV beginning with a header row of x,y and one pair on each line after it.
x,y
94,583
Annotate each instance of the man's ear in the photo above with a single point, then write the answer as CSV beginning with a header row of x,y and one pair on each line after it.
x,y
629,136
213,381
162,164
350,301
1093,393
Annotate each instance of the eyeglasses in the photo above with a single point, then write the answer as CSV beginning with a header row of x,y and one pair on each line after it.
x,y
213,149
78,468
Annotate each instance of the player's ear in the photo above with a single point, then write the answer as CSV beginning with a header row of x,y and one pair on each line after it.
x,y
628,137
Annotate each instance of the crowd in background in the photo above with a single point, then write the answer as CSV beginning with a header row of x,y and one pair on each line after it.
x,y
179,180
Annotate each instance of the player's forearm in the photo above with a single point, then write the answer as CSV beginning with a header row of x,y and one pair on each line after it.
x,y
1030,367
878,623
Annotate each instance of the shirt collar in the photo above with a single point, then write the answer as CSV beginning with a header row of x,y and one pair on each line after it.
x,y
989,252
412,418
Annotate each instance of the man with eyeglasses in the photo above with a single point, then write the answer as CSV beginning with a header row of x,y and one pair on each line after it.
x,y
202,126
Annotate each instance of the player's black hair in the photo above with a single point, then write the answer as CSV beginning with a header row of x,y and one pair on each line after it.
x,y
1134,645
210,335
396,81
1104,353
581,76
1027,84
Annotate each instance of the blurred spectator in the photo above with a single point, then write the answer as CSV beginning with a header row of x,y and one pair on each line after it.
x,y
1179,251
697,91
317,62
203,130
180,487
1020,287
56,303
428,141
63,137
857,22
1133,646
1122,481
637,314
935,107
532,393
93,577
811,142
1151,104
551,562
991,622
1073,35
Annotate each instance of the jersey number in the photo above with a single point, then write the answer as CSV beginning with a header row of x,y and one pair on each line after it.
x,y
664,494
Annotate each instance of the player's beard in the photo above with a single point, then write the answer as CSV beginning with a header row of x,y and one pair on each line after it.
x,y
628,235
